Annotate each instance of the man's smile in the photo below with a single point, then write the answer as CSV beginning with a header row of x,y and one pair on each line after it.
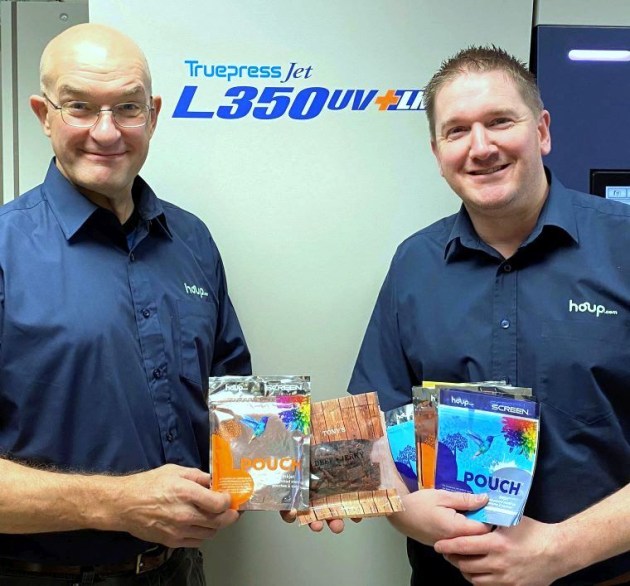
x,y
489,171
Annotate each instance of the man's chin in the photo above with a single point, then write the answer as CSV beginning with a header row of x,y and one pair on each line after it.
x,y
489,207
96,191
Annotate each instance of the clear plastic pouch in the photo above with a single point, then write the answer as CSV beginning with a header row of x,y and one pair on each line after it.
x,y
352,471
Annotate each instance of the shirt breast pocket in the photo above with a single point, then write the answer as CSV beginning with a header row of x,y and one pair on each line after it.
x,y
197,327
584,371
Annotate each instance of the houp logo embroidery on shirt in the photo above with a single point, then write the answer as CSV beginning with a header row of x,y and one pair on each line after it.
x,y
194,290
587,307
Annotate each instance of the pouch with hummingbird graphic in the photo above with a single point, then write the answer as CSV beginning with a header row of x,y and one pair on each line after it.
x,y
487,441
259,440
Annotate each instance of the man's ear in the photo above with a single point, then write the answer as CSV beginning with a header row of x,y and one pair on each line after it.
x,y
157,106
544,122
40,108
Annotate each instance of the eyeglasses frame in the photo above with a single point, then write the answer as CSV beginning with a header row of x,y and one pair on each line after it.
x,y
59,108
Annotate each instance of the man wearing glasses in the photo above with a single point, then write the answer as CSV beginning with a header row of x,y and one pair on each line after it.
x,y
104,351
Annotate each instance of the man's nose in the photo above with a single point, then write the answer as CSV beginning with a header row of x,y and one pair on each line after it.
x,y
481,144
105,129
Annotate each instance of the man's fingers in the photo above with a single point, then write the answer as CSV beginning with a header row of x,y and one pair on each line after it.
x,y
457,546
336,525
201,478
462,501
213,502
289,516
316,526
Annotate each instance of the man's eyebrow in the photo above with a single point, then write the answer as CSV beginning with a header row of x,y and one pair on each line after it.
x,y
451,122
502,112
461,119
133,91
69,90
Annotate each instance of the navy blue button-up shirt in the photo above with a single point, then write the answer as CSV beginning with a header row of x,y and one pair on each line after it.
x,y
554,317
106,345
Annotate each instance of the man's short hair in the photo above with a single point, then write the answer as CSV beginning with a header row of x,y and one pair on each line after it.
x,y
480,59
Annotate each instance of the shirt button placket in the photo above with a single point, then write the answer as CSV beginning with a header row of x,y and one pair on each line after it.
x,y
153,350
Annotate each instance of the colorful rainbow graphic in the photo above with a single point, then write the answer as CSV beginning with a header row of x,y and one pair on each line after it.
x,y
520,435
296,413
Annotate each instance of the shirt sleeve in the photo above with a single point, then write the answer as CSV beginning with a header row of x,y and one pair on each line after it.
x,y
382,365
231,354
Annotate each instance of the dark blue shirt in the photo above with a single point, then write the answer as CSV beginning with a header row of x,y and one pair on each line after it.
x,y
555,317
106,349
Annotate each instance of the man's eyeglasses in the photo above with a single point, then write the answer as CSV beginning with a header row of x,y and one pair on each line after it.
x,y
86,114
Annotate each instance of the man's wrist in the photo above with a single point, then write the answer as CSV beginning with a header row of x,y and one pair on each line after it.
x,y
96,507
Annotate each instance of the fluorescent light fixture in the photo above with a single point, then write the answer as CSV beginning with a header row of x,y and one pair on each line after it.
x,y
598,55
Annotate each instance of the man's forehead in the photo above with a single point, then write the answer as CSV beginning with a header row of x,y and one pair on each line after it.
x,y
88,51
465,77
100,63
94,49
497,90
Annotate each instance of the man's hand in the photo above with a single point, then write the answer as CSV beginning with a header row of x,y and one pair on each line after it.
x,y
335,525
522,555
431,515
171,505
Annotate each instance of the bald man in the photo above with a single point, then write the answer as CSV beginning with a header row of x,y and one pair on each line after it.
x,y
114,312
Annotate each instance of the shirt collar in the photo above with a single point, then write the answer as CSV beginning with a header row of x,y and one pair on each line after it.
x,y
557,212
72,209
